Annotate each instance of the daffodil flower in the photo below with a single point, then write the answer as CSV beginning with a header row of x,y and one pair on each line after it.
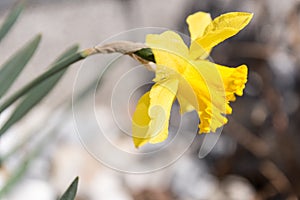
x,y
185,74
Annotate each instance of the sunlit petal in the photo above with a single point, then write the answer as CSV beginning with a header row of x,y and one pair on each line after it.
x,y
162,96
207,83
184,74
200,88
197,23
140,121
168,49
234,80
150,121
221,28
186,95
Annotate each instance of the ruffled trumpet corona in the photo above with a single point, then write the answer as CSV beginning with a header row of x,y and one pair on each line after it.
x,y
184,73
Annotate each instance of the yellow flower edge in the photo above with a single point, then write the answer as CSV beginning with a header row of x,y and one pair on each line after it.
x,y
182,73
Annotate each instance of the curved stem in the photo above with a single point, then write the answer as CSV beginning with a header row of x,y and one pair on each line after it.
x,y
136,50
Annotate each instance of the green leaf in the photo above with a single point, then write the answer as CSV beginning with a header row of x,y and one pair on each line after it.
x,y
10,70
57,67
70,193
35,95
11,19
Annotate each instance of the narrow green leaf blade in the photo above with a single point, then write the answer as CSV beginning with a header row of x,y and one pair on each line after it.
x,y
70,51
10,70
70,193
56,68
35,95
11,19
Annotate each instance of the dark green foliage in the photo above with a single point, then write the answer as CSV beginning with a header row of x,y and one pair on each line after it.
x,y
70,193
36,94
10,70
11,19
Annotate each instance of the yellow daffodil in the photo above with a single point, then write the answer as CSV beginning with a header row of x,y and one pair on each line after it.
x,y
184,74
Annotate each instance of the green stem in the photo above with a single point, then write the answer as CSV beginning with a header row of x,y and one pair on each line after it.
x,y
53,70
145,53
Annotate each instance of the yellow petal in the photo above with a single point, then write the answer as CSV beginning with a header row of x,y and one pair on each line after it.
x,y
150,121
140,121
186,97
234,80
162,96
221,28
168,48
169,41
211,120
208,85
200,88
197,23
185,105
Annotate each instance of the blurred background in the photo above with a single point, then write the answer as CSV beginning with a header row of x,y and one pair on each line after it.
x,y
256,157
